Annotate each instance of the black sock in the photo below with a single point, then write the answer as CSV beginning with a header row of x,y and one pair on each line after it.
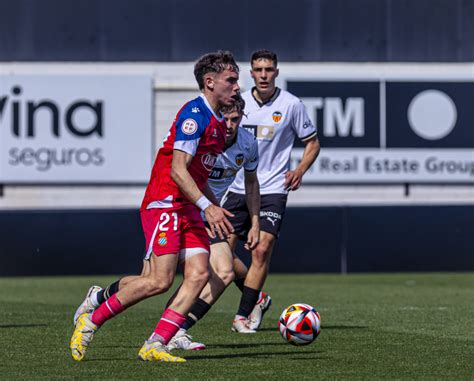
x,y
240,284
197,312
247,301
107,292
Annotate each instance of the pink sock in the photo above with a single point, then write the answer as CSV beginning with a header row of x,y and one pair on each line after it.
x,y
107,310
168,325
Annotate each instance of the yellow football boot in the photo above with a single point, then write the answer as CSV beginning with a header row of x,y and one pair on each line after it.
x,y
155,351
82,336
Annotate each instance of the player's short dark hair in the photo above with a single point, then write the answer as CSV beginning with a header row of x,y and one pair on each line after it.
x,y
238,106
264,53
215,62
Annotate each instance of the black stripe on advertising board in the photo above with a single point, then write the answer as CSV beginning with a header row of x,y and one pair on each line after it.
x,y
346,112
418,114
430,114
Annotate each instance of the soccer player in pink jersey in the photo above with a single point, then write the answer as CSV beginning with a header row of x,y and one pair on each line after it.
x,y
170,213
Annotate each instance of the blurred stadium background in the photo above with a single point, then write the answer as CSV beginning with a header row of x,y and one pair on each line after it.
x,y
88,90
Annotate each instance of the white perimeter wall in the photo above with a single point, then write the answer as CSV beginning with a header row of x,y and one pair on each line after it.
x,y
174,85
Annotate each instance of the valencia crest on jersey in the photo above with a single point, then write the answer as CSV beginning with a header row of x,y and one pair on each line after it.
x,y
275,124
242,154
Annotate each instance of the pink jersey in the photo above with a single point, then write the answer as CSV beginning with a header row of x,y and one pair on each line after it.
x,y
198,131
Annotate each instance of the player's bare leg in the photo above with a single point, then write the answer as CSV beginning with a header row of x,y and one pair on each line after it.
x,y
261,257
240,269
254,303
96,295
159,279
156,281
196,274
221,274
195,277
258,269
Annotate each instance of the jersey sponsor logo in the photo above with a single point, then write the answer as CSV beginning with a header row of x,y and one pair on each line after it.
x,y
265,132
162,240
269,213
276,116
261,132
270,216
189,126
216,173
307,124
239,159
209,160
195,110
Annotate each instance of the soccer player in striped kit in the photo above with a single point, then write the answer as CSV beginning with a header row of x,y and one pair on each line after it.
x,y
276,118
170,213
241,153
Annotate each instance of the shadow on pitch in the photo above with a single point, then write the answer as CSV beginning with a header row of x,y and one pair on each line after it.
x,y
310,355
22,325
268,330
109,359
344,327
252,345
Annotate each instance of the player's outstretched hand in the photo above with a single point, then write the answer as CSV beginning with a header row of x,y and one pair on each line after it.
x,y
293,180
252,238
218,222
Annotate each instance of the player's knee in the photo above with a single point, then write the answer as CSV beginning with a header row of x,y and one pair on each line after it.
x,y
226,276
158,286
199,276
261,254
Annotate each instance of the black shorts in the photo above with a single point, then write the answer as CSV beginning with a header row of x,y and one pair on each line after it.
x,y
213,241
272,211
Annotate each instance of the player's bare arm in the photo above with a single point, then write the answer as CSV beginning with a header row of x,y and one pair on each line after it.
x,y
210,195
311,152
215,215
252,196
212,198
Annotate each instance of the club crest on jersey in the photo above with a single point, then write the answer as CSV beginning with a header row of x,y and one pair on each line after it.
x,y
209,160
276,116
239,159
189,126
162,240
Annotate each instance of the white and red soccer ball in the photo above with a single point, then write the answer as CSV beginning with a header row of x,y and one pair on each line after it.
x,y
299,324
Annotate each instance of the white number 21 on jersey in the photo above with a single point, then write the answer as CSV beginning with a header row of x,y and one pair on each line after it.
x,y
165,219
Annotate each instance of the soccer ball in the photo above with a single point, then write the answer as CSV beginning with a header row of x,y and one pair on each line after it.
x,y
299,324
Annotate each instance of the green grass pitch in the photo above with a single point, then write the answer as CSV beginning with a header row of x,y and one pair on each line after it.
x,y
374,326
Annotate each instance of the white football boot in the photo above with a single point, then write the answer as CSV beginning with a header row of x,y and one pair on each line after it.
x,y
241,325
262,306
183,340
87,305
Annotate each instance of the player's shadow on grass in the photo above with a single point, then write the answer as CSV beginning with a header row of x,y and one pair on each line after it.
x,y
268,330
309,355
250,345
22,325
108,359
344,327
119,346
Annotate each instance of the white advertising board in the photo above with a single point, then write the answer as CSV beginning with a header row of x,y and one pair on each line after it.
x,y
75,128
389,130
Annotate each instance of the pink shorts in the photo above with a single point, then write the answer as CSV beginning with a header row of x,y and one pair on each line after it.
x,y
174,231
